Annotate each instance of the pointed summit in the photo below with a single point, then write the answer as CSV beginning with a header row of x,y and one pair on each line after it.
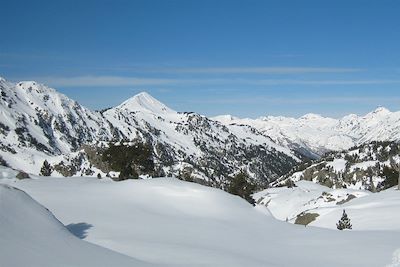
x,y
382,110
378,112
145,102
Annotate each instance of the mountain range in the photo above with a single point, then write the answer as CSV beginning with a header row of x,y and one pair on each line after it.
x,y
40,124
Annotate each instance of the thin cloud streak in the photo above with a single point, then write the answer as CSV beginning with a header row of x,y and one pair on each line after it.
x,y
323,82
298,101
119,81
238,70
105,81
262,70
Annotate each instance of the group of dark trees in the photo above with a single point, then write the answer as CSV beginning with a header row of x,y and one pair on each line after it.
x,y
130,161
241,185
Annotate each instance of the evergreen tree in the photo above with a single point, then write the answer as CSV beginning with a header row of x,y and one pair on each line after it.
x,y
130,161
241,186
344,222
46,169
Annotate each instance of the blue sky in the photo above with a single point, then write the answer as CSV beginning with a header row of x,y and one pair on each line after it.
x,y
246,58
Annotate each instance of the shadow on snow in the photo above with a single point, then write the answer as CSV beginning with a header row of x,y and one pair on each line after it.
x,y
79,229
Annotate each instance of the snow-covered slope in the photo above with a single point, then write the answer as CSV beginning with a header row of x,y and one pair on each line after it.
x,y
31,236
369,166
176,223
317,134
37,123
198,143
366,210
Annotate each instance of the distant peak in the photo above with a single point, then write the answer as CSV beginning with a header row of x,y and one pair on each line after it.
x,y
145,102
350,116
311,116
225,118
381,110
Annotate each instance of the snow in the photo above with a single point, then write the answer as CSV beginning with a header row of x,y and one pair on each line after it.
x,y
145,102
338,164
61,125
169,222
58,123
321,134
49,117
286,203
378,211
364,165
367,211
31,236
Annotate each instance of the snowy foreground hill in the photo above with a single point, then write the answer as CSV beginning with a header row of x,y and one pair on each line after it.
x,y
168,222
317,205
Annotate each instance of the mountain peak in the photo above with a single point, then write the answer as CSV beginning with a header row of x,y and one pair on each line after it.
x,y
225,118
380,111
26,84
145,102
33,87
311,116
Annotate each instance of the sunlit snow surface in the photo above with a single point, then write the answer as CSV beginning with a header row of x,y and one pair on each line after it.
x,y
170,222
367,211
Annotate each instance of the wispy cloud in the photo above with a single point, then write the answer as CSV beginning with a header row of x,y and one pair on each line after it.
x,y
262,70
299,101
105,81
320,82
120,81
237,70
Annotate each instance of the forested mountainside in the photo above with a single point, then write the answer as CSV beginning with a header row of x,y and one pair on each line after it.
x,y
369,166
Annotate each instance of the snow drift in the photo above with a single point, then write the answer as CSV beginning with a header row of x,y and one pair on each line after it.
x,y
31,236
167,221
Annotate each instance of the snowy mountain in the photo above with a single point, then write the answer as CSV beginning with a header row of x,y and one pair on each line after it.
x,y
40,124
369,166
317,135
37,122
192,143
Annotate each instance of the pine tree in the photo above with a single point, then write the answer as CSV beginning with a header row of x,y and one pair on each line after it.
x,y
46,169
344,222
241,186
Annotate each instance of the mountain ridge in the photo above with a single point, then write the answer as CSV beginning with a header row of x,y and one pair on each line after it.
x,y
38,123
322,134
42,124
